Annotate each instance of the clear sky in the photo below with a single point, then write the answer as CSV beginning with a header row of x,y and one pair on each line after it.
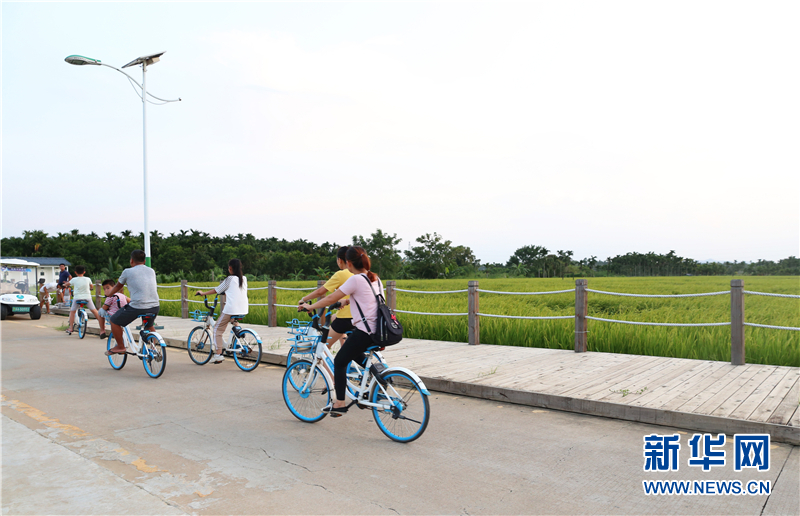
x,y
599,127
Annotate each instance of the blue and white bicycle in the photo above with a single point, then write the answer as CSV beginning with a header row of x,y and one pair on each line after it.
x,y
244,344
397,397
151,348
81,318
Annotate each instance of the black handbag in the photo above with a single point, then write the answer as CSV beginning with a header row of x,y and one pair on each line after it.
x,y
389,330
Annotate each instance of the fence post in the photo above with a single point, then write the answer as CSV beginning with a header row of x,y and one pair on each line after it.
x,y
272,299
737,322
98,288
391,294
474,330
581,309
320,283
184,299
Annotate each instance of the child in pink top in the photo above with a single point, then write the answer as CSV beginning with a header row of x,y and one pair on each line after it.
x,y
112,303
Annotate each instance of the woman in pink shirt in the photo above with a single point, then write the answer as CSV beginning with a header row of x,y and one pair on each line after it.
x,y
361,288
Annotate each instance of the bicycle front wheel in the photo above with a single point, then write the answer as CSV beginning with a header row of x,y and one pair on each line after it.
x,y
83,322
117,361
199,345
247,351
305,391
407,411
155,357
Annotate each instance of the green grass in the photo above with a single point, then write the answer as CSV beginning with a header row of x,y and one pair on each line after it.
x,y
763,346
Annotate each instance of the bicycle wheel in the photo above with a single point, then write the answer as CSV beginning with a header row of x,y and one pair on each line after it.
x,y
155,357
83,322
410,412
298,376
199,345
246,351
303,391
116,361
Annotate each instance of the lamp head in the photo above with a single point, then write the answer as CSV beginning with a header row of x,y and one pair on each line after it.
x,y
81,60
145,60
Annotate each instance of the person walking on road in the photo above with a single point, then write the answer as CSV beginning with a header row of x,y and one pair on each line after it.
x,y
63,277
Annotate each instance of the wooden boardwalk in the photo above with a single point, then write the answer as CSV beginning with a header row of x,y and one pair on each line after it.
x,y
697,395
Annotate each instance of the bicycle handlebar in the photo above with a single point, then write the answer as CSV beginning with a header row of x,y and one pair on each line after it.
x,y
210,308
315,317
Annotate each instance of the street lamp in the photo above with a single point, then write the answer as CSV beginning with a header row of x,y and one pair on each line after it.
x,y
144,61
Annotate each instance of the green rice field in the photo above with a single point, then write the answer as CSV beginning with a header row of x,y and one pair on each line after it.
x,y
763,346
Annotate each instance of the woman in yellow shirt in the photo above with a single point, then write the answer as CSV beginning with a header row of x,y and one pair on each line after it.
x,y
344,319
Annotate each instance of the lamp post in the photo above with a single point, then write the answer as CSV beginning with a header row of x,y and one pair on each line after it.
x,y
145,61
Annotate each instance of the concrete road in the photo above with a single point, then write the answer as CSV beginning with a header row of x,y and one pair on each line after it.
x,y
79,437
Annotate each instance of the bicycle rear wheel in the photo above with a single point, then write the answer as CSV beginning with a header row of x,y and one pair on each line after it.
x,y
83,322
199,345
303,391
155,357
117,361
247,351
409,412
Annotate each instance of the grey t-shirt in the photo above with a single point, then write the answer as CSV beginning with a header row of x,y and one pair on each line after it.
x,y
141,282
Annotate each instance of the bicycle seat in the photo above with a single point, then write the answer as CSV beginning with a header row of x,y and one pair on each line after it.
x,y
376,348
237,318
147,319
81,301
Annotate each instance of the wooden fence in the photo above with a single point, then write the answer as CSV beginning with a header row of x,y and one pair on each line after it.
x,y
581,316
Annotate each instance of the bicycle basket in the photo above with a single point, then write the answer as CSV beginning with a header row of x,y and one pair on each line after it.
x,y
298,327
302,345
198,315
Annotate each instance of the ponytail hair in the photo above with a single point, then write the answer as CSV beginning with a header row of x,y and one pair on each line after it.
x,y
236,265
358,257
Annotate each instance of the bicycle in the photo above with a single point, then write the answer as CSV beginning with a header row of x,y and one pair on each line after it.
x,y
245,344
151,348
397,397
304,334
82,320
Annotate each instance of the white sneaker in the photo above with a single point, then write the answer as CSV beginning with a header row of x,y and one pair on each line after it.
x,y
218,359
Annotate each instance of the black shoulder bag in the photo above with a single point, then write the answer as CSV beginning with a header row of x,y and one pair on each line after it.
x,y
389,330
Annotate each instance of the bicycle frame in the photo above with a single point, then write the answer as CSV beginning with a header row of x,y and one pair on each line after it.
x,y
134,348
236,328
358,395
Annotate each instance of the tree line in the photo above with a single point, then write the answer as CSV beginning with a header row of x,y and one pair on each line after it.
x,y
198,256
